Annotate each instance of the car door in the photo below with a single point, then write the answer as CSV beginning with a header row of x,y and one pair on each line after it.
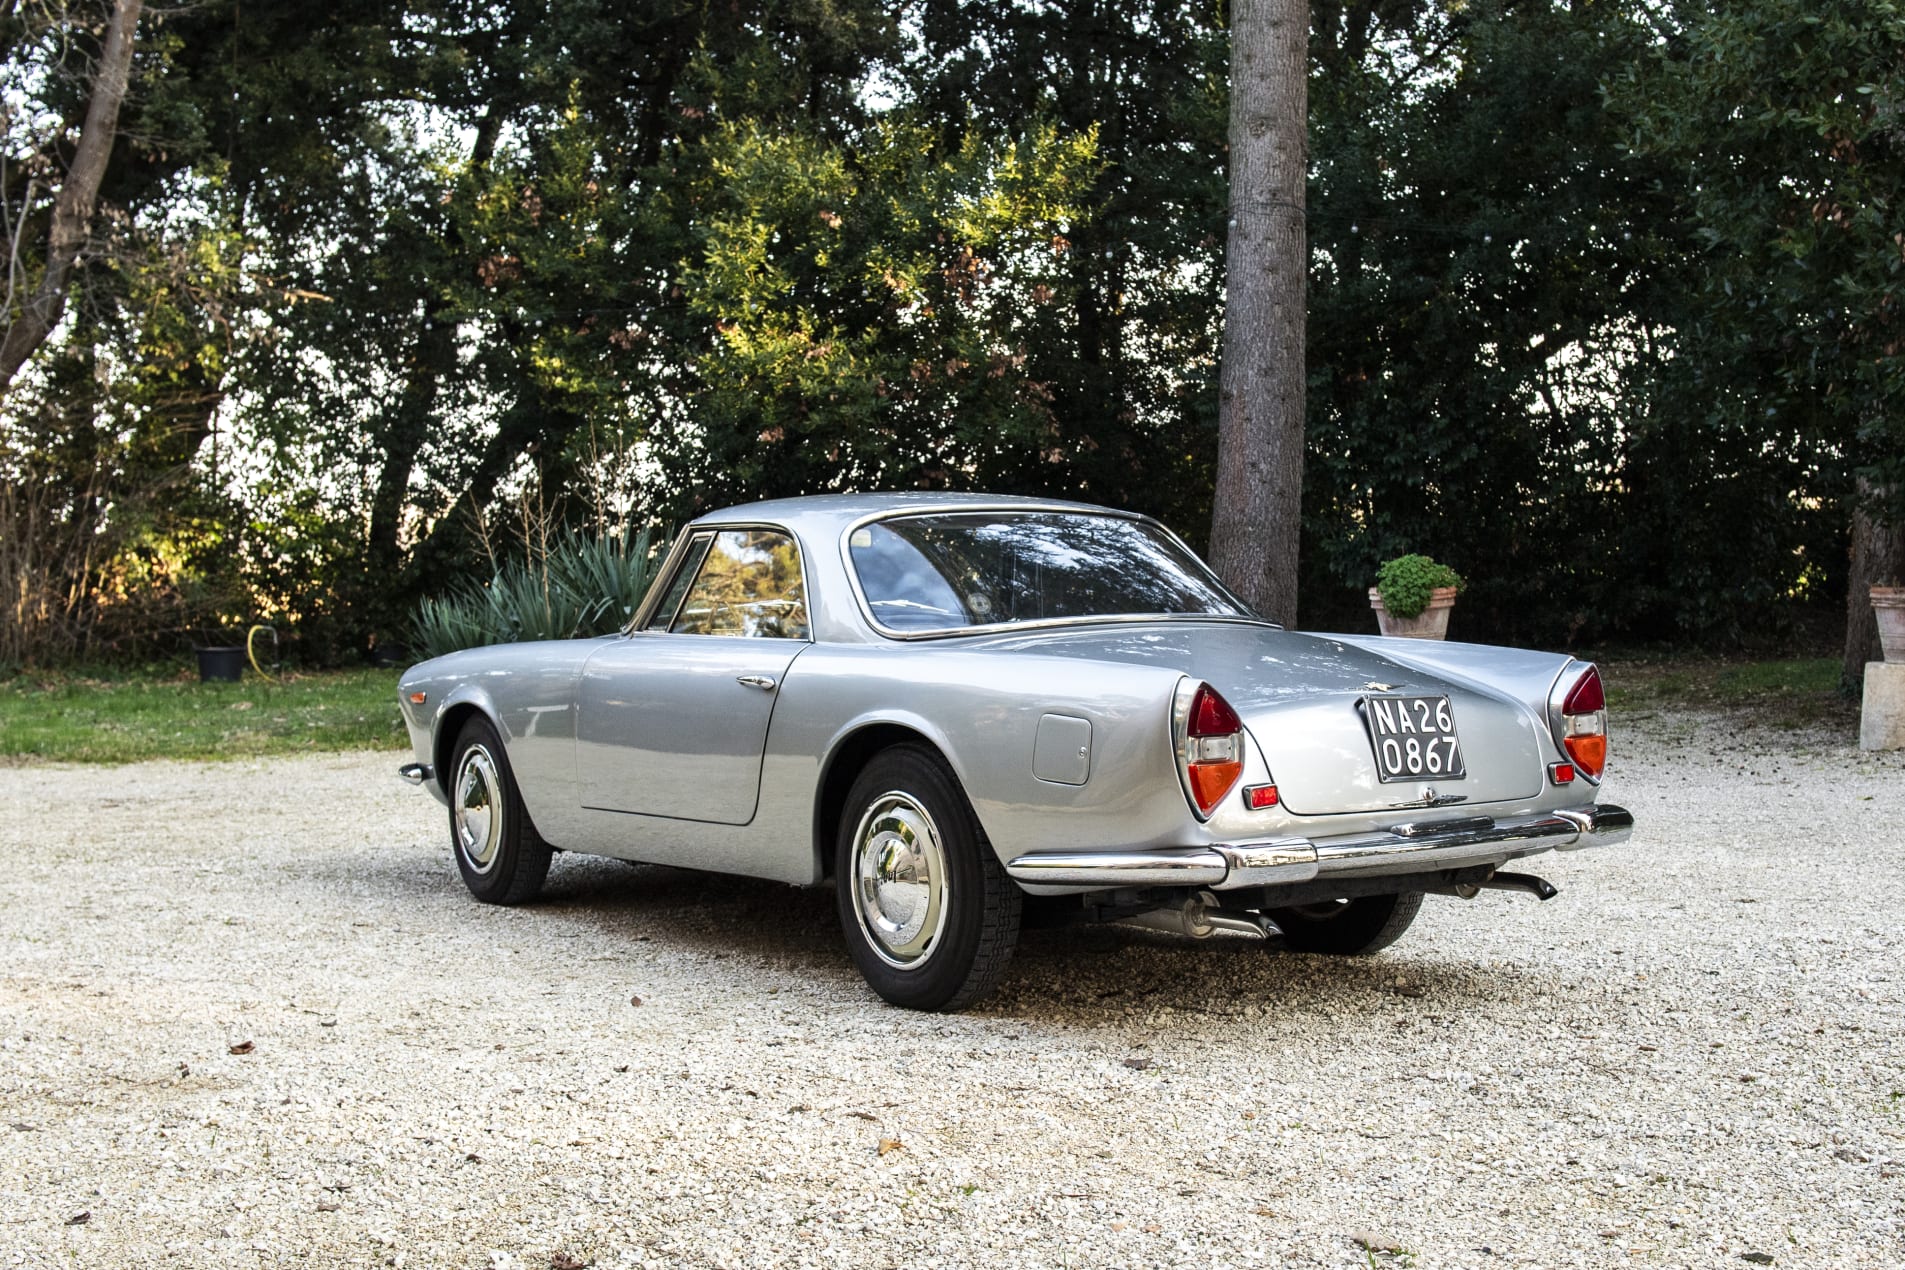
x,y
672,719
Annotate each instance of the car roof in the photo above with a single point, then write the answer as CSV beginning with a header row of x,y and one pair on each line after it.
x,y
816,515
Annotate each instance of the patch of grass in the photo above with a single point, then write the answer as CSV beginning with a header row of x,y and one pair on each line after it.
x,y
1787,693
125,716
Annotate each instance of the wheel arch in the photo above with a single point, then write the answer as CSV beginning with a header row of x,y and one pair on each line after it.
x,y
449,726
845,762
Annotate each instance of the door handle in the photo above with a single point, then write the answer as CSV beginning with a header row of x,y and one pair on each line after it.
x,y
765,683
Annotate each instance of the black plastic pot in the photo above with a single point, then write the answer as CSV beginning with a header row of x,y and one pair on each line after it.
x,y
221,665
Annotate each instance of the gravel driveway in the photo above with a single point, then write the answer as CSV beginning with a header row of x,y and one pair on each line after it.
x,y
248,1015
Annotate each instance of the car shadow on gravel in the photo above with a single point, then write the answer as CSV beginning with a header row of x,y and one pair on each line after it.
x,y
775,933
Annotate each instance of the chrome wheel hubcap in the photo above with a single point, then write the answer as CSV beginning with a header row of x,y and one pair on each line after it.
x,y
899,880
476,814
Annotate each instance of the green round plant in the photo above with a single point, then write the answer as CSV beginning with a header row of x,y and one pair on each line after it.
x,y
1404,584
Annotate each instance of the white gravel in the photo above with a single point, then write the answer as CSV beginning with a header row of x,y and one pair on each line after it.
x,y
1696,1053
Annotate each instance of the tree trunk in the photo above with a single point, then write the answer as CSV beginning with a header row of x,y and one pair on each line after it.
x,y
1256,513
1878,558
78,196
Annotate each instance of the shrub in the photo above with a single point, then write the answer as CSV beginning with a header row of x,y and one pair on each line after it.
x,y
1404,584
581,585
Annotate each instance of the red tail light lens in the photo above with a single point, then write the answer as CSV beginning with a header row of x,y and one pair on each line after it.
x,y
1584,724
1586,696
1210,746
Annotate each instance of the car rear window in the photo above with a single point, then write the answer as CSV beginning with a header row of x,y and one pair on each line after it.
x,y
950,571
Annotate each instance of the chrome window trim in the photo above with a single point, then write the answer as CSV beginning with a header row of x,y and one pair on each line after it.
x,y
996,628
638,625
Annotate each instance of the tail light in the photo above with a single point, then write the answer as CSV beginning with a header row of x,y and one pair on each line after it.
x,y
1210,744
1581,721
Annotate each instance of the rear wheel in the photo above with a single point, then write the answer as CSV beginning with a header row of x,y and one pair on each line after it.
x,y
1347,928
929,915
498,852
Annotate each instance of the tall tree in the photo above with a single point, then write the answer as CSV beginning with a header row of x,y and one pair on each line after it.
x,y
1256,517
71,222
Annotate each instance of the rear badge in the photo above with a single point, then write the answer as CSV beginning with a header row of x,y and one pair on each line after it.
x,y
1429,798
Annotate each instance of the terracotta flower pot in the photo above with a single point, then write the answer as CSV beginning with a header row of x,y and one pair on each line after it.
x,y
1888,606
1431,623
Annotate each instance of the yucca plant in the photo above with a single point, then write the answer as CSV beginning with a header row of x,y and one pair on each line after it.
x,y
580,585
614,569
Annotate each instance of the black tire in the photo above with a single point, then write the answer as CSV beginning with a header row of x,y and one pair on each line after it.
x,y
498,851
929,914
1347,928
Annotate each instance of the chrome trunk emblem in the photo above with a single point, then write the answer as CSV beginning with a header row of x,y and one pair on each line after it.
x,y
1429,798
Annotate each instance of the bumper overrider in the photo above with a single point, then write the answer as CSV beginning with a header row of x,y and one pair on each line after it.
x,y
1398,849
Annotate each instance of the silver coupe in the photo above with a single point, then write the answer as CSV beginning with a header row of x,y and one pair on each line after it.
x,y
951,706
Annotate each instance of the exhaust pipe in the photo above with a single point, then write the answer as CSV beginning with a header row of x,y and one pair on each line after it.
x,y
1199,917
1540,888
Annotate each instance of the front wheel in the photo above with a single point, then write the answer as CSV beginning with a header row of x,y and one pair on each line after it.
x,y
501,857
1347,928
929,914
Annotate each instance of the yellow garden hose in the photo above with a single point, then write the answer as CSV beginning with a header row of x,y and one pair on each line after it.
x,y
251,651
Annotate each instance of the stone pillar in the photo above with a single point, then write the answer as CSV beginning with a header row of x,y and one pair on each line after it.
x,y
1882,719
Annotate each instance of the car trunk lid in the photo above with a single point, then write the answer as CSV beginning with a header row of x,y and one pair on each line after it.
x,y
1302,697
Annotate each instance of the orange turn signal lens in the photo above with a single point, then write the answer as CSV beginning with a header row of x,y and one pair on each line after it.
x,y
418,698
1589,751
1211,781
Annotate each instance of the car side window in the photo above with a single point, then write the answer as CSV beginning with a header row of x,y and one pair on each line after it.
x,y
749,585
678,585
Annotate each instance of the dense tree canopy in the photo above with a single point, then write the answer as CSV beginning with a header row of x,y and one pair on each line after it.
x,y
1602,297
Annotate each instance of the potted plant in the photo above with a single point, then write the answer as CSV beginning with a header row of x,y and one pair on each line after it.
x,y
1412,597
1888,606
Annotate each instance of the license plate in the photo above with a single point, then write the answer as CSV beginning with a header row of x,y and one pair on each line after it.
x,y
1414,738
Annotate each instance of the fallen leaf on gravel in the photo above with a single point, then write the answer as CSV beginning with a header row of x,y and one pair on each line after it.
x,y
802,1106
1758,1258
243,1047
79,1219
622,1068
864,1115
328,1206
1264,1212
1409,990
563,1261
889,1145
1137,1064
1117,1225
473,1158
1152,1228
21,1126
634,1000
1374,1242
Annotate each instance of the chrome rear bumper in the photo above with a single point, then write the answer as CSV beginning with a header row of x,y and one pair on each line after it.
x,y
1406,848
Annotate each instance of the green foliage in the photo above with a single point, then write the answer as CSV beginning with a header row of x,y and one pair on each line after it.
x,y
1792,115
578,585
1405,584
1602,295
873,309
